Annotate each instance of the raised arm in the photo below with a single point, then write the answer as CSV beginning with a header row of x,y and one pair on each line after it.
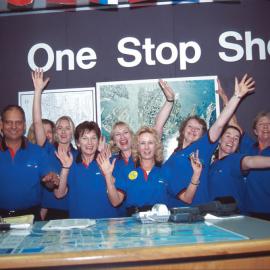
x,y
242,88
166,109
222,94
233,120
66,159
188,195
106,167
39,85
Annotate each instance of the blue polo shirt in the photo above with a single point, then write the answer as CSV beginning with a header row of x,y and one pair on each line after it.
x,y
88,196
121,165
179,171
48,198
226,178
141,189
258,181
21,176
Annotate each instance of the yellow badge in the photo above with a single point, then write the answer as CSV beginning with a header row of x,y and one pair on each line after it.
x,y
132,175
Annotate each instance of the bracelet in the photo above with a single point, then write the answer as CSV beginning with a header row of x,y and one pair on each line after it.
x,y
170,100
63,167
195,184
239,97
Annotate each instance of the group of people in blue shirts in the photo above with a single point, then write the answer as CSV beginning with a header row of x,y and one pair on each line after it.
x,y
52,179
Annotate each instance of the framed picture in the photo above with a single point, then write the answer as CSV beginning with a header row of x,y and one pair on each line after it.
x,y
78,103
138,102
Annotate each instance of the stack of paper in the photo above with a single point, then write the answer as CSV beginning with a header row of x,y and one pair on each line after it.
x,y
67,224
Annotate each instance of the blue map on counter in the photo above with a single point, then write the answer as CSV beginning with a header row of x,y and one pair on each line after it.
x,y
119,233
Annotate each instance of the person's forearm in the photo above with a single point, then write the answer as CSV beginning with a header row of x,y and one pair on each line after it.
x,y
163,116
114,195
224,117
37,119
190,192
255,162
62,188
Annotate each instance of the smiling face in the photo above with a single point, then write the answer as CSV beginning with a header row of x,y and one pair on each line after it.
x,y
64,132
192,131
88,143
262,129
122,137
146,146
229,142
13,125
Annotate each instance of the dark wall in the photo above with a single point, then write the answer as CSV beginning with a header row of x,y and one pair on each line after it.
x,y
101,30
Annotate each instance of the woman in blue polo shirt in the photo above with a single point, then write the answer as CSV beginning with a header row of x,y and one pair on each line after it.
x,y
228,172
256,199
258,186
193,137
52,208
82,177
121,135
147,183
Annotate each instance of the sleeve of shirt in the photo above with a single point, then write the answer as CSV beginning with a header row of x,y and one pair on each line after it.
x,y
206,148
48,147
246,143
120,181
236,164
45,165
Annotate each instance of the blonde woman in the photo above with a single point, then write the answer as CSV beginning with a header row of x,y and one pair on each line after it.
x,y
146,184
62,137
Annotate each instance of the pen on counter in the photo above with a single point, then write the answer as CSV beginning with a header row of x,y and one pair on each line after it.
x,y
6,226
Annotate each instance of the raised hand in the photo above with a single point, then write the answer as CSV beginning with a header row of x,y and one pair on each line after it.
x,y
245,86
167,90
65,157
103,160
102,144
196,163
38,80
220,91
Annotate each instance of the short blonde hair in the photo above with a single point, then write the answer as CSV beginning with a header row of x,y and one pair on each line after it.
x,y
159,146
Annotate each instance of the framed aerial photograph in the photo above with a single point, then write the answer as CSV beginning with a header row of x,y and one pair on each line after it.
x,y
138,102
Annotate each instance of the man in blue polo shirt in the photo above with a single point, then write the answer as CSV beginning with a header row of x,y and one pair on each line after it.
x,y
22,166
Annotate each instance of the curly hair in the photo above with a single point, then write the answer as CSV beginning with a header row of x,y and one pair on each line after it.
x,y
182,127
113,146
159,147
